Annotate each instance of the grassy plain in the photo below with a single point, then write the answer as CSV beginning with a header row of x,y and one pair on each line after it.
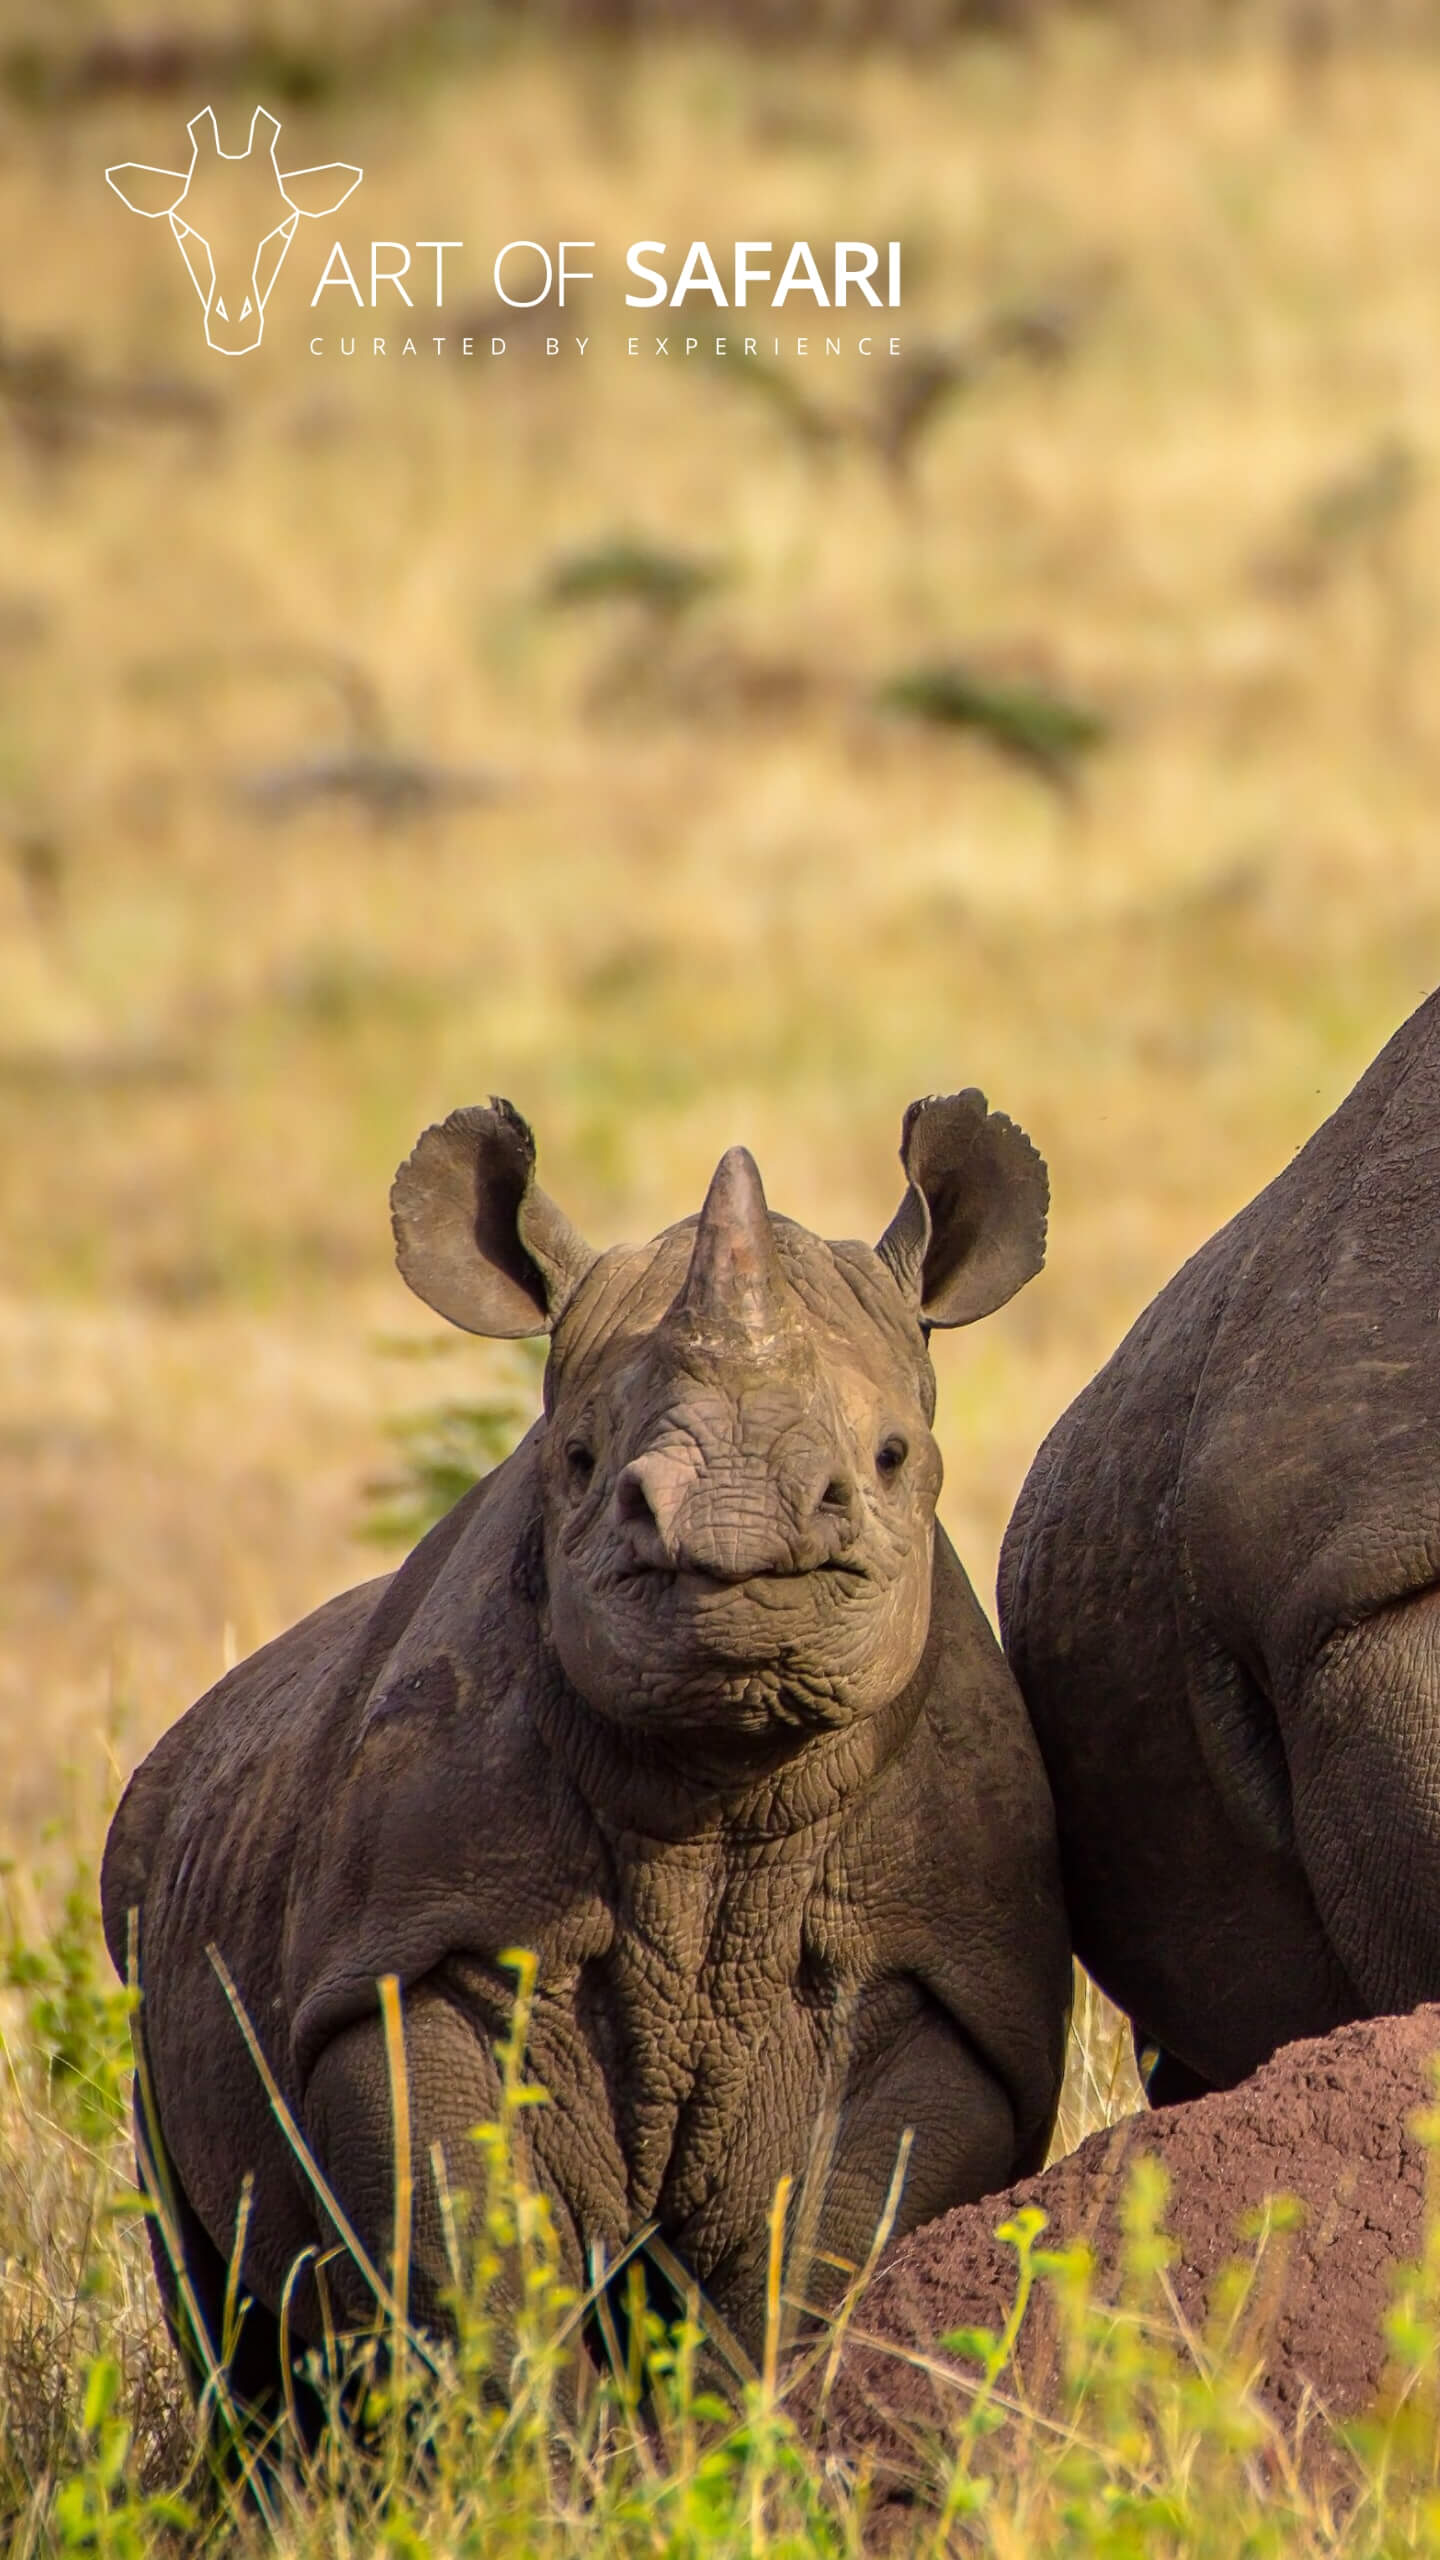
x,y
717,894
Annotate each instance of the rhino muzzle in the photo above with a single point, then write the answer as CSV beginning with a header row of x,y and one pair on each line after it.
x,y
671,1519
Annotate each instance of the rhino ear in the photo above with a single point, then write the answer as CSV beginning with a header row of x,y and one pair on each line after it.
x,y
475,1237
970,1230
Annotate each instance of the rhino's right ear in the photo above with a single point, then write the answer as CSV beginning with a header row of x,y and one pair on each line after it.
x,y
475,1237
970,1230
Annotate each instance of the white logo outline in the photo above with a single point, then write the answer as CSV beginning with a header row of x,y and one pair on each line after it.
x,y
195,248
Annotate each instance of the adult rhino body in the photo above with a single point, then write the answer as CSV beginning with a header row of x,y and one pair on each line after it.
x,y
1220,1593
691,1698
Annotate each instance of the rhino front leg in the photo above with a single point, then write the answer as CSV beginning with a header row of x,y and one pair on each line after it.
x,y
453,2086
1364,1750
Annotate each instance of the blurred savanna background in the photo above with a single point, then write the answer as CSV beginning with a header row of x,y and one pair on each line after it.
x,y
691,749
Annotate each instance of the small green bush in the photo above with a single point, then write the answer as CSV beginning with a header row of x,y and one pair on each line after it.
x,y
443,1450
77,2018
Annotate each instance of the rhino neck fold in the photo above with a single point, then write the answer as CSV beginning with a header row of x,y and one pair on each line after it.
x,y
678,1783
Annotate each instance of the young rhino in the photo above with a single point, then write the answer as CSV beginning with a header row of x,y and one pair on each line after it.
x,y
691,1698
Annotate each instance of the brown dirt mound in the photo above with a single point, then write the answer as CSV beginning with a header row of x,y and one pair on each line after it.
x,y
1326,2121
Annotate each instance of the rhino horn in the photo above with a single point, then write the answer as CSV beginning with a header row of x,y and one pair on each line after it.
x,y
734,1276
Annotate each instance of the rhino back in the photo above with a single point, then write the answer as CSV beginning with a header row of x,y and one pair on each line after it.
x,y
220,1752
1311,1497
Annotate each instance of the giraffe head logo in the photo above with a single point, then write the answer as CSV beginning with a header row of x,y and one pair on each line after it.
x,y
234,214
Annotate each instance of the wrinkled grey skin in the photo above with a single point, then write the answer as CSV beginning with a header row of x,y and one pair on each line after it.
x,y
1220,1593
692,1698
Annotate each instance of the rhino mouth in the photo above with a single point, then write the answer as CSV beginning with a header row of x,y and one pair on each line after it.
x,y
704,1579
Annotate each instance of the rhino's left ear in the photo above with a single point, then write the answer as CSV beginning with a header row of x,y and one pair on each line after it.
x,y
475,1236
970,1230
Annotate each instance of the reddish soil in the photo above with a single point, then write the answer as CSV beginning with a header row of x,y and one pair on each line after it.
x,y
1326,2121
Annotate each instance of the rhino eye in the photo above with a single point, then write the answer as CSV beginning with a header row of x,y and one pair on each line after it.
x,y
891,1455
579,1464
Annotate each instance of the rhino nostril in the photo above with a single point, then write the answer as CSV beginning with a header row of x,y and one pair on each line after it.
x,y
838,1494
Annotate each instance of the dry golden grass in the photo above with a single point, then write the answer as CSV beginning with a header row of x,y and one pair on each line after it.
x,y
728,906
